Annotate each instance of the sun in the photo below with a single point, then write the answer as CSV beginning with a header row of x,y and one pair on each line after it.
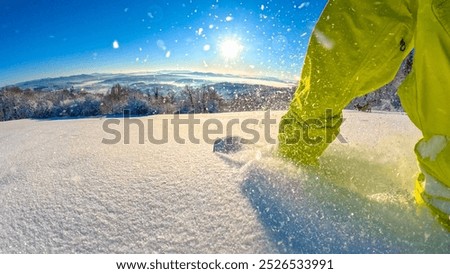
x,y
231,49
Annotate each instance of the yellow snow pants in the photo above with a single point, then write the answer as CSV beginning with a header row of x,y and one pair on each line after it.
x,y
358,46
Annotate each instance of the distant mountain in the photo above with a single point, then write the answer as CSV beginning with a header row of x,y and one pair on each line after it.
x,y
164,80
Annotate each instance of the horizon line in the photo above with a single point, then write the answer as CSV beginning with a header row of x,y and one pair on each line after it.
x,y
236,74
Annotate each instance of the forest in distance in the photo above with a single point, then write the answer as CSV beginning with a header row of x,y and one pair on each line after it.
x,y
16,103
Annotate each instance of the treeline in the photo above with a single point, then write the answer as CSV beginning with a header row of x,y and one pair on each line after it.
x,y
16,103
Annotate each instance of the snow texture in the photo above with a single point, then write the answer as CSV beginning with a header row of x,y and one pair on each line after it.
x,y
432,147
63,191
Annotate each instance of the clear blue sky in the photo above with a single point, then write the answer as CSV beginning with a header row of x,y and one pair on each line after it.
x,y
47,38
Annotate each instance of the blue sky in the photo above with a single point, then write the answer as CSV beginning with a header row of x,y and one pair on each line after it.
x,y
49,38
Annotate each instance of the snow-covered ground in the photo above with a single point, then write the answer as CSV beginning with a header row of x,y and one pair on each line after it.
x,y
63,191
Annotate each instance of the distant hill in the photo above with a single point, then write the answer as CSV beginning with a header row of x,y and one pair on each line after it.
x,y
165,81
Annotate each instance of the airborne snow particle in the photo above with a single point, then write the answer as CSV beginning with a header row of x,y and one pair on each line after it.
x,y
116,44
211,26
262,7
303,5
324,40
206,47
168,54
229,18
200,31
161,44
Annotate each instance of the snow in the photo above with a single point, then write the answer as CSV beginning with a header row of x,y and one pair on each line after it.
x,y
435,188
326,42
63,191
229,18
433,147
115,44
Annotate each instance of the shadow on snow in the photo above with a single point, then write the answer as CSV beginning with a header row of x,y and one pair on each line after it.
x,y
307,212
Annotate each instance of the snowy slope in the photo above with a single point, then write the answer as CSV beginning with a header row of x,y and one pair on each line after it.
x,y
63,191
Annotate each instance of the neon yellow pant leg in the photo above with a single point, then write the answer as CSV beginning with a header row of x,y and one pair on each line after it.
x,y
356,47
425,95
